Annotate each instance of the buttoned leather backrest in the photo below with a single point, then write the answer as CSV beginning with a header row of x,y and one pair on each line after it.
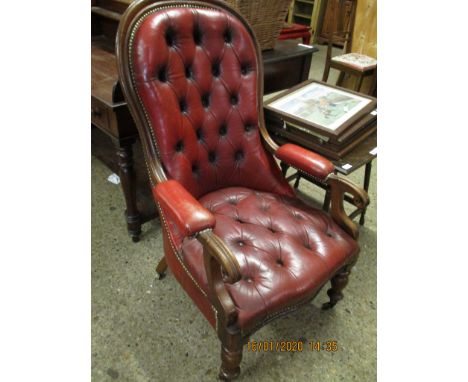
x,y
195,71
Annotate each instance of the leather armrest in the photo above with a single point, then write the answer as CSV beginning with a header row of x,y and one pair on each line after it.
x,y
182,208
305,160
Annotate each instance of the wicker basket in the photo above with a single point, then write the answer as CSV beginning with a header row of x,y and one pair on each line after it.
x,y
265,16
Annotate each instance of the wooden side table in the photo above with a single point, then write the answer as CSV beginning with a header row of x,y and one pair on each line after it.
x,y
110,114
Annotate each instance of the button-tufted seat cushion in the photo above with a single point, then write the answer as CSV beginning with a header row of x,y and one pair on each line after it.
x,y
286,250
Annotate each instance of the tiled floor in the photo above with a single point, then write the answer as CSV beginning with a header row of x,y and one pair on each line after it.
x,y
144,329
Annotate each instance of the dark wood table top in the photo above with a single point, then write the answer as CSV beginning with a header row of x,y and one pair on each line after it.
x,y
358,157
287,49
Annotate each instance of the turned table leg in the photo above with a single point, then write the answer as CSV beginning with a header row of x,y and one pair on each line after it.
x,y
128,181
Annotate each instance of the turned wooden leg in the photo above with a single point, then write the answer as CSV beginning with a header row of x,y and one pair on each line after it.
x,y
230,363
161,268
128,181
231,352
338,283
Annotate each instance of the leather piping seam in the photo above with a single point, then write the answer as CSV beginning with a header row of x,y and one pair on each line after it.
x,y
148,170
272,316
177,253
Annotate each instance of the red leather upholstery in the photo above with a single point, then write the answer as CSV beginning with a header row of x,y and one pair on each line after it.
x,y
196,75
286,250
182,209
305,160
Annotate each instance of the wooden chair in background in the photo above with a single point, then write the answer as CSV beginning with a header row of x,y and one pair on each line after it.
x,y
354,64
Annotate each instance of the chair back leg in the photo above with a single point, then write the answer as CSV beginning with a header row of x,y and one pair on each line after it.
x,y
161,268
338,283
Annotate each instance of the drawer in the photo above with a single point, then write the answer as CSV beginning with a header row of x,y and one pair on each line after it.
x,y
99,115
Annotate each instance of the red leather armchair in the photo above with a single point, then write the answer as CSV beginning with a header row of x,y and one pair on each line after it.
x,y
236,237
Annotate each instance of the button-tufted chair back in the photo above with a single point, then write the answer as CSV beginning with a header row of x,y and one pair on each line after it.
x,y
196,73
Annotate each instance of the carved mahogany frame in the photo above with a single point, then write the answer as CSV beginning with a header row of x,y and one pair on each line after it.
x,y
220,264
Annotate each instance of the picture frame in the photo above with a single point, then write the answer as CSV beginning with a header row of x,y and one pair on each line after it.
x,y
325,109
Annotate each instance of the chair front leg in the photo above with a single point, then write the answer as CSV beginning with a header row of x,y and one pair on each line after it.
x,y
231,356
221,266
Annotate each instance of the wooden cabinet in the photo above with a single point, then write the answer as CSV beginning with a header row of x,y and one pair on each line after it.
x,y
304,12
326,15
